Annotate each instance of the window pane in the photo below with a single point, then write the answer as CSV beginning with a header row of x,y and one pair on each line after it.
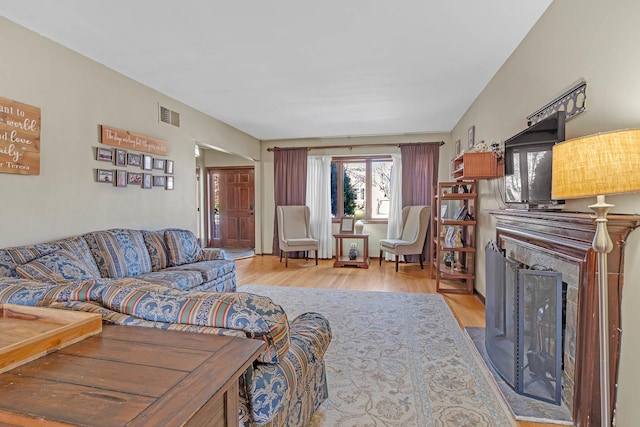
x,y
380,189
355,185
364,188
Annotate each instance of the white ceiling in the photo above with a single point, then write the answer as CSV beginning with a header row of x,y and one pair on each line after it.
x,y
295,69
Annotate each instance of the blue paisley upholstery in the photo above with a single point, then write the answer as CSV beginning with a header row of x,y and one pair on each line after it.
x,y
213,254
56,267
119,253
10,258
157,248
183,247
127,276
184,280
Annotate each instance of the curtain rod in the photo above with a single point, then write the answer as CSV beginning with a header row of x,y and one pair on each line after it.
x,y
350,147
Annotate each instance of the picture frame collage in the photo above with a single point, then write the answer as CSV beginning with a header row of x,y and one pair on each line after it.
x,y
145,178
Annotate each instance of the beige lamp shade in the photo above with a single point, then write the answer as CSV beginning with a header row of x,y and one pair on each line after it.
x,y
605,163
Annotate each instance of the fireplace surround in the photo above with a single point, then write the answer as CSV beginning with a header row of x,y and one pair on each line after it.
x,y
561,241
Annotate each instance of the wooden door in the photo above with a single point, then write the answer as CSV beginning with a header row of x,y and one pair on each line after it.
x,y
236,207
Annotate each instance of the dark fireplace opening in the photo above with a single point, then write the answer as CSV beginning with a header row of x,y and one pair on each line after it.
x,y
525,323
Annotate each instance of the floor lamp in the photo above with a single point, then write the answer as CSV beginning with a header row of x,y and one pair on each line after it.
x,y
596,165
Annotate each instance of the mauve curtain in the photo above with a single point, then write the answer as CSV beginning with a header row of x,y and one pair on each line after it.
x,y
290,183
419,175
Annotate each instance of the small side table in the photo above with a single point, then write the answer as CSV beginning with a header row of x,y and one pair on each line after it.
x,y
360,261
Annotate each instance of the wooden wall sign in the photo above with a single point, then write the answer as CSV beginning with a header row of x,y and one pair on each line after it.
x,y
19,138
132,141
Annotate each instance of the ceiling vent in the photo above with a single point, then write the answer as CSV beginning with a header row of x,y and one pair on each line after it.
x,y
169,117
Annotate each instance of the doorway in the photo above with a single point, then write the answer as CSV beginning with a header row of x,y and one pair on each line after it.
x,y
230,208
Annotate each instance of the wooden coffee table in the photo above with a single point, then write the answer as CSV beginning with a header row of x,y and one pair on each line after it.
x,y
131,376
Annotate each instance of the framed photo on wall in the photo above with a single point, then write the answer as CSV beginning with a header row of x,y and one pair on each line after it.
x,y
457,148
169,183
104,154
134,178
104,175
121,157
158,164
147,162
121,178
159,181
134,159
472,136
346,224
147,180
168,167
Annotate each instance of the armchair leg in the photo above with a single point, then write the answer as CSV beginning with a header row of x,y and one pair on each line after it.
x,y
397,258
421,266
306,255
280,255
286,259
380,259
316,251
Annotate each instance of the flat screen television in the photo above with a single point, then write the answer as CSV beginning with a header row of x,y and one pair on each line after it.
x,y
527,164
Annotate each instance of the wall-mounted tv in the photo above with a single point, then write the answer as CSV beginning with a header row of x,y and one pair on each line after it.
x,y
527,163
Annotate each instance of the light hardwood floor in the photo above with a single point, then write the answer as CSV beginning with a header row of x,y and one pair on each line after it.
x,y
267,270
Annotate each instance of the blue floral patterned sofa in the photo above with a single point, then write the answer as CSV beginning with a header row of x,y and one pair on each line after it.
x,y
163,279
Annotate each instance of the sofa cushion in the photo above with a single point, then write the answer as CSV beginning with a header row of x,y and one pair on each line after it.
x,y
119,253
157,248
10,258
210,270
185,280
183,247
56,267
78,246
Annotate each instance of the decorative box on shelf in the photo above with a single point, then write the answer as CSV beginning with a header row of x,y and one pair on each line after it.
x,y
477,165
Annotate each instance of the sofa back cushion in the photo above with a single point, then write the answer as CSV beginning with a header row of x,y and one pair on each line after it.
x,y
78,246
56,267
183,247
119,253
157,248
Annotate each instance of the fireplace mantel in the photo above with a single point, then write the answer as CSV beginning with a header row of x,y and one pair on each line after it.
x,y
568,235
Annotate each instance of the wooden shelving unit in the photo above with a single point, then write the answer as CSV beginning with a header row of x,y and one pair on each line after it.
x,y
453,264
480,165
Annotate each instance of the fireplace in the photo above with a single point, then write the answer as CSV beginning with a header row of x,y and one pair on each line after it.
x,y
553,250
525,325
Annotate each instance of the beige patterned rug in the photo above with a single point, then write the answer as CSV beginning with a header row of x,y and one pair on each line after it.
x,y
396,359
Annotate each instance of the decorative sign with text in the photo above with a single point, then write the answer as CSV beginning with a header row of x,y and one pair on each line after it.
x,y
132,141
19,138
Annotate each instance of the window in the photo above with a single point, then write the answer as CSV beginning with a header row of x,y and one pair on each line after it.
x,y
365,184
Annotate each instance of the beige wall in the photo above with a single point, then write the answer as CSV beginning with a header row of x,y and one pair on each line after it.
x,y
376,231
575,39
75,96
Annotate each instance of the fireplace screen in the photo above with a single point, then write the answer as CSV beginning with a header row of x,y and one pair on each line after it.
x,y
540,335
524,325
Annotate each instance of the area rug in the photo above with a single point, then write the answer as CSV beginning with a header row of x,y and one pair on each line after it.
x,y
238,253
524,408
396,359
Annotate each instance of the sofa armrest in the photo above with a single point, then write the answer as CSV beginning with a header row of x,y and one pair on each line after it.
x,y
256,316
212,254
